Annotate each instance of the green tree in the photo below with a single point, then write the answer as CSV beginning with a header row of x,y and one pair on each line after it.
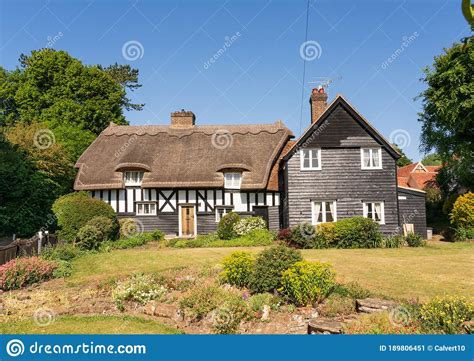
x,y
448,116
74,100
403,160
431,159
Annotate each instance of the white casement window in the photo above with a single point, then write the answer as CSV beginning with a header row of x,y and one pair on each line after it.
x,y
232,180
221,212
375,211
310,159
371,158
146,209
133,178
323,212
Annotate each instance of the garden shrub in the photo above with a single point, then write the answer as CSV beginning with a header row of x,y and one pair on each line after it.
x,y
63,270
462,214
337,305
307,283
353,290
139,288
238,267
258,301
462,234
201,300
379,324
136,240
259,237
22,272
74,210
396,241
414,240
225,228
89,238
303,235
447,313
325,235
269,265
357,232
157,235
228,316
108,227
285,235
61,252
249,224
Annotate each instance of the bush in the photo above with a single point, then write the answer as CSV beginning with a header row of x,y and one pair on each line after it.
x,y
139,288
462,234
446,314
325,236
107,227
259,237
303,235
258,301
201,300
414,240
225,228
249,224
128,227
89,238
352,290
462,214
285,235
307,283
269,265
61,252
238,268
132,241
74,210
228,316
393,241
157,235
357,232
337,305
22,272
63,270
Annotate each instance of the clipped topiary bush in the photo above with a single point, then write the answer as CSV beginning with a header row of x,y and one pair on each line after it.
x,y
357,232
74,210
225,228
238,267
89,238
306,283
248,225
269,265
108,227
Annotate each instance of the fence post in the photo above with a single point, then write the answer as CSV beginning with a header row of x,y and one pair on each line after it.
x,y
40,241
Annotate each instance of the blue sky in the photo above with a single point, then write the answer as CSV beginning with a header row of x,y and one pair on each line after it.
x,y
256,74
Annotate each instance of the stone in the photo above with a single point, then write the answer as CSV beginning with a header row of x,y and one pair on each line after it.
x,y
468,326
324,326
371,305
162,310
265,313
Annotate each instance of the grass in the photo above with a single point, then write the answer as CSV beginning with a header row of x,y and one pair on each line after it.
x,y
88,325
440,268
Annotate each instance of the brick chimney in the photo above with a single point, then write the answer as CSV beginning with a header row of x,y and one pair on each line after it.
x,y
318,101
182,119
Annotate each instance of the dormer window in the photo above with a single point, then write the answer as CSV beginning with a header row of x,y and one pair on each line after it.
x,y
232,180
133,178
371,158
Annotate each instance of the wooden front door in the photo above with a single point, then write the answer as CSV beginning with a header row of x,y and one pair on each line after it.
x,y
187,221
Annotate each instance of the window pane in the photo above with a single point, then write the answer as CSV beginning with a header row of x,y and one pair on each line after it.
x,y
314,159
369,210
375,158
366,157
306,161
329,212
377,212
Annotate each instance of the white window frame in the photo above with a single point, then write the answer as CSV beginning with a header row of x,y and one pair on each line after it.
x,y
310,150
231,185
226,211
324,204
371,150
129,182
140,208
382,210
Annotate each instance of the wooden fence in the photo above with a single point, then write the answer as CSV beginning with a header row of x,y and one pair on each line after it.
x,y
25,247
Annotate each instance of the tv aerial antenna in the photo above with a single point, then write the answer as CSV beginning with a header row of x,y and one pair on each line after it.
x,y
324,81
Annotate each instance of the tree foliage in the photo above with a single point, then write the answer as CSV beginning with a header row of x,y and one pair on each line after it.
x,y
403,160
448,112
431,159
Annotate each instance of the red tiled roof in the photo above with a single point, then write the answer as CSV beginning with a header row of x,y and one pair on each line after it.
x,y
408,177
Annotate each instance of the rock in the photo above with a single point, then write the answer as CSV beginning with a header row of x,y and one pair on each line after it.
x,y
324,326
265,313
371,305
468,326
162,310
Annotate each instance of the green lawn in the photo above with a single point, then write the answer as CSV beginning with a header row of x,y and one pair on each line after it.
x,y
89,325
440,268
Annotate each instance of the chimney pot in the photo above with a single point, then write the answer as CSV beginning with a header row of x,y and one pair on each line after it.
x,y
183,119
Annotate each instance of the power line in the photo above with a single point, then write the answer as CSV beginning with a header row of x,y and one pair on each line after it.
x,y
304,65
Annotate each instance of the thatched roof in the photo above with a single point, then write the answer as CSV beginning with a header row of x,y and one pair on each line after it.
x,y
189,158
